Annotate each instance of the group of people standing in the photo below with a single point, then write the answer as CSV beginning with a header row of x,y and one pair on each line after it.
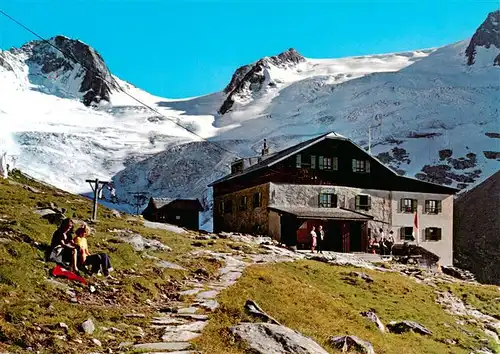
x,y
72,251
317,236
382,243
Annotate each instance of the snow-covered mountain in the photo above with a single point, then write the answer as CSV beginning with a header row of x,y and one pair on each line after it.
x,y
433,113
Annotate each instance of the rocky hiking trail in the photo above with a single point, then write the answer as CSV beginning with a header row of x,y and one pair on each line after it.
x,y
180,322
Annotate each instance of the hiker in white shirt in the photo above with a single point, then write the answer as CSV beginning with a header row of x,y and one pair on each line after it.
x,y
314,237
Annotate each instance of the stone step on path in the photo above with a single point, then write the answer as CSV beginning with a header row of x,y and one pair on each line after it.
x,y
188,320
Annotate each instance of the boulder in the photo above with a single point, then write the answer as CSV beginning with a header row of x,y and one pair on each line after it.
x,y
363,276
399,327
268,338
88,326
254,309
352,343
372,316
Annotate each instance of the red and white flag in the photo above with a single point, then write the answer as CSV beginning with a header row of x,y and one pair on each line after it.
x,y
415,227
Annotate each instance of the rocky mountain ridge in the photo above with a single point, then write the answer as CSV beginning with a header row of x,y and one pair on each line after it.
x,y
487,35
62,72
250,78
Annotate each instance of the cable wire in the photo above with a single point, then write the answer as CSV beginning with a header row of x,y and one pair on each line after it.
x,y
114,83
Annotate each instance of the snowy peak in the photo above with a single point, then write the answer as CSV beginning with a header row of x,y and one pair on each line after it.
x,y
487,35
250,79
59,74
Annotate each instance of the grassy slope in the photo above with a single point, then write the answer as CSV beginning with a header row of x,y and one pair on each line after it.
x,y
26,314
314,299
307,296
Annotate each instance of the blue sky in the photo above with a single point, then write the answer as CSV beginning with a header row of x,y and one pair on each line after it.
x,y
189,48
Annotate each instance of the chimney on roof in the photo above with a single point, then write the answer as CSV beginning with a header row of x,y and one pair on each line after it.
x,y
265,149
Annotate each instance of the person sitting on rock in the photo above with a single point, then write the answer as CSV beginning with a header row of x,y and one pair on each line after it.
x,y
62,249
97,262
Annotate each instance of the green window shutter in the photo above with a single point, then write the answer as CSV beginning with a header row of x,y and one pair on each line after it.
x,y
369,199
367,166
438,234
402,233
335,163
353,165
298,160
313,161
334,201
439,206
427,206
357,202
414,204
321,162
402,205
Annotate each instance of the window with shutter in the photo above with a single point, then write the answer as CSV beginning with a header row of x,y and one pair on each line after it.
x,y
363,202
257,199
321,162
432,206
360,166
407,233
243,203
298,161
327,200
335,163
408,205
432,234
313,161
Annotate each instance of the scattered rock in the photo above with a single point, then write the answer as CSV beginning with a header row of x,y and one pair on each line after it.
x,y
32,189
203,237
211,305
179,336
492,155
184,310
399,327
134,315
168,346
254,309
268,338
97,342
162,321
210,294
458,273
372,316
348,343
449,341
169,265
88,326
363,276
116,213
191,292
444,154
192,316
198,244
202,272
140,243
63,326
493,135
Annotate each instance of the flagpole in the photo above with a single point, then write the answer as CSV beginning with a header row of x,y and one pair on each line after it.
x,y
415,227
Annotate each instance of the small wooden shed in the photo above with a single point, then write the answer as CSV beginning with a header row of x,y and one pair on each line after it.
x,y
181,212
